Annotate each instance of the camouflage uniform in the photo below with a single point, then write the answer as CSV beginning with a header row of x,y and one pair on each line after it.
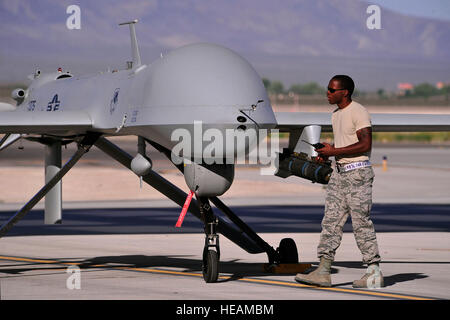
x,y
349,193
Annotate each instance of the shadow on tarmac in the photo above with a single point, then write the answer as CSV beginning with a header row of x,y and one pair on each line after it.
x,y
305,218
234,270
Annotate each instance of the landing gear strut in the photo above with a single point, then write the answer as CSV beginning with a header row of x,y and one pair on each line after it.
x,y
211,250
84,145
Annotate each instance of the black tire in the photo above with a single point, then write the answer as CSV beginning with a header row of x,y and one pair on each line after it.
x,y
210,266
288,251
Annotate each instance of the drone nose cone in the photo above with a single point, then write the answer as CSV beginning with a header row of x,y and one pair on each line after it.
x,y
208,85
204,75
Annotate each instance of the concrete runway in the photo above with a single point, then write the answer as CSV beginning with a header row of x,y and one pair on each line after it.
x,y
129,249
138,254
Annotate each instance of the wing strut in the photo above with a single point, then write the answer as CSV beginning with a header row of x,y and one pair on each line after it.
x,y
8,139
83,147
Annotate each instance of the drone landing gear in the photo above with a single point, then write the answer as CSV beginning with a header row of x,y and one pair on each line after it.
x,y
283,260
211,250
83,146
279,259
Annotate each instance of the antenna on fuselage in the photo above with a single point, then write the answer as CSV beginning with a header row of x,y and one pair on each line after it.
x,y
134,45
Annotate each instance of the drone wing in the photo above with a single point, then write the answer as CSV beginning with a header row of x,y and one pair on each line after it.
x,y
381,122
54,123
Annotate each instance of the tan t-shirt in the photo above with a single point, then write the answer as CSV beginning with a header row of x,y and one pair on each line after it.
x,y
345,124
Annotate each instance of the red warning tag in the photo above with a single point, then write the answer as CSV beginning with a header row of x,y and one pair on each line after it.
x,y
185,208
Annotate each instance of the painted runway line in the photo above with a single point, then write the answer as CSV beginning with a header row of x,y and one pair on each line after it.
x,y
372,293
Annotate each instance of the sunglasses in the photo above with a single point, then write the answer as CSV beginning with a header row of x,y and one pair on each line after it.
x,y
334,90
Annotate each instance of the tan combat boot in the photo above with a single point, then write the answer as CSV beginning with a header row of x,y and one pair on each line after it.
x,y
373,279
320,277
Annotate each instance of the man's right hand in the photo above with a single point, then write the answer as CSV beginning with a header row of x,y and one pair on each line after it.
x,y
327,151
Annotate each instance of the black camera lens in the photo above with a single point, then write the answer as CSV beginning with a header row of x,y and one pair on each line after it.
x,y
241,119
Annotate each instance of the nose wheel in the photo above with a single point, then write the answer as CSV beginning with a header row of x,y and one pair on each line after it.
x,y
210,266
211,250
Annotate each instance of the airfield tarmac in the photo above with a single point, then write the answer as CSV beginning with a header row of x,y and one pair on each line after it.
x,y
122,237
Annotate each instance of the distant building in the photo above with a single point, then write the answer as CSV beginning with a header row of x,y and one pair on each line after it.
x,y
404,87
441,84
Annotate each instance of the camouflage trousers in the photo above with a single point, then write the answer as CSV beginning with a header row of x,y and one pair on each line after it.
x,y
349,193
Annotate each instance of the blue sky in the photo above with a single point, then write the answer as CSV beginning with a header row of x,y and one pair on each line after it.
x,y
436,9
